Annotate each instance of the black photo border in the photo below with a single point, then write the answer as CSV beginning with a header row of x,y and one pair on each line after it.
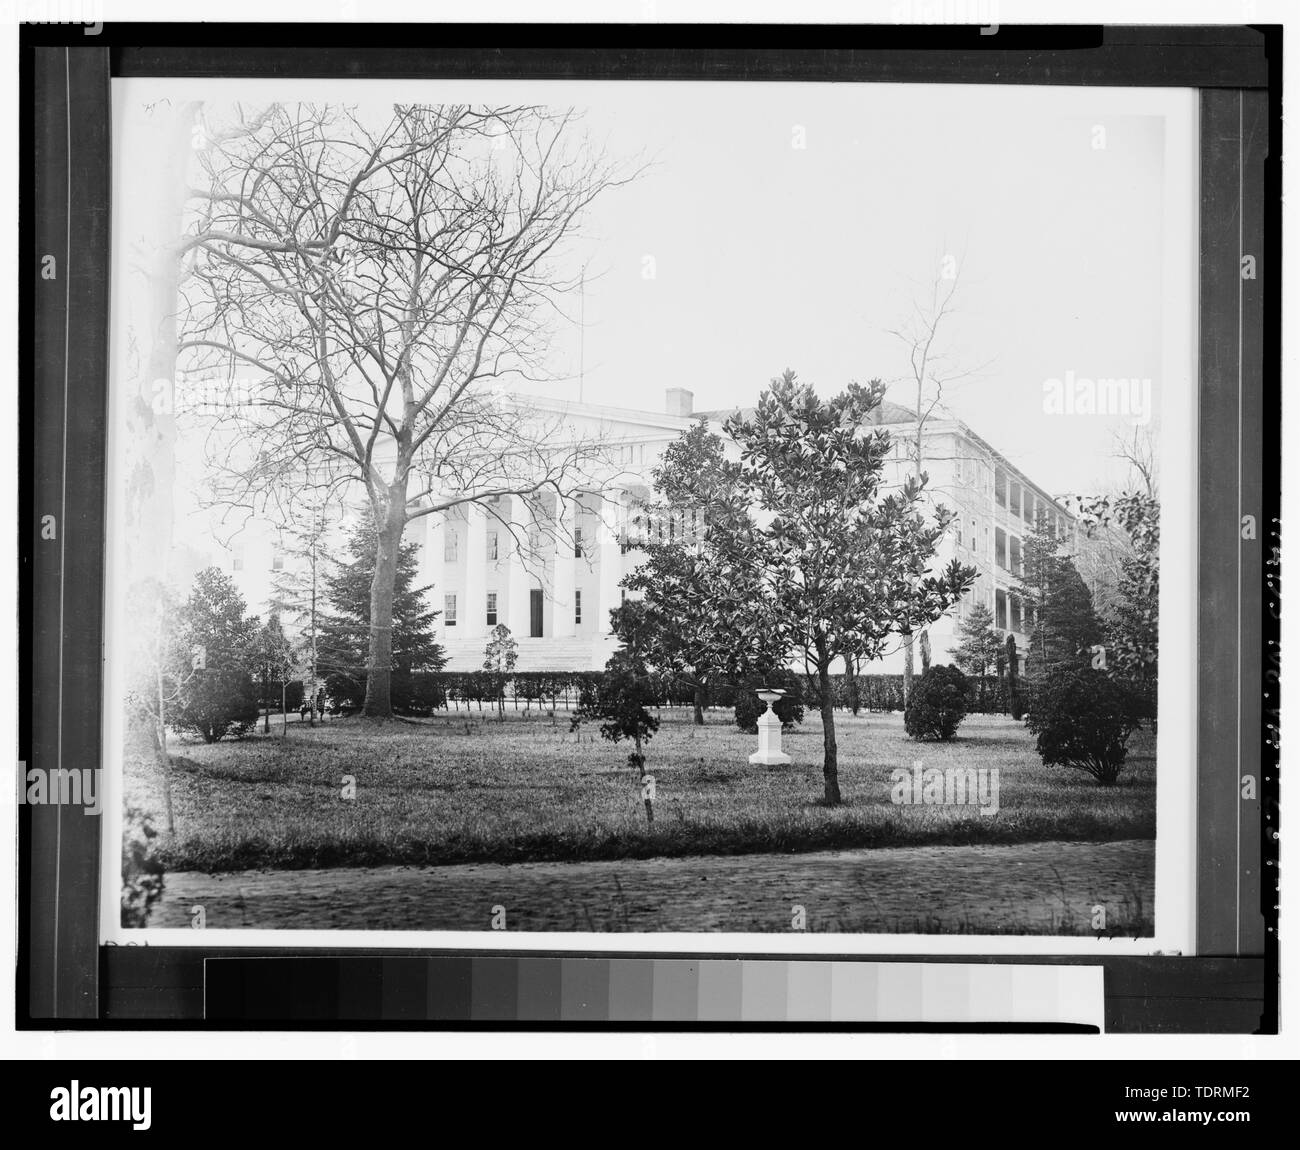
x,y
67,979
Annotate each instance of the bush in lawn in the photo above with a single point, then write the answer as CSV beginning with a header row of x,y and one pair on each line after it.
x,y
218,703
1083,719
937,704
142,872
617,699
789,709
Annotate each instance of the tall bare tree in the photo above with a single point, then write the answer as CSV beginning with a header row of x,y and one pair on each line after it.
x,y
373,280
934,371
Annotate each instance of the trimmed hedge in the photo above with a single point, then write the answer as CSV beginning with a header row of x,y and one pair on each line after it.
x,y
424,692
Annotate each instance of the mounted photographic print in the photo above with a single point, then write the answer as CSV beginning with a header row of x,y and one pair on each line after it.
x,y
750,516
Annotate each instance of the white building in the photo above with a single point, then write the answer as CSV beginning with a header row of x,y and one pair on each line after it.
x,y
557,602
550,568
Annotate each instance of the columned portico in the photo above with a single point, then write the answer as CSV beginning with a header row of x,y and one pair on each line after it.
x,y
517,578
610,555
564,573
431,555
473,613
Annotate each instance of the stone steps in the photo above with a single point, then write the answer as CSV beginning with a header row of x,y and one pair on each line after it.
x,y
587,653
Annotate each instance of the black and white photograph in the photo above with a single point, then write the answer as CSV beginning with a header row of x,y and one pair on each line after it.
x,y
750,511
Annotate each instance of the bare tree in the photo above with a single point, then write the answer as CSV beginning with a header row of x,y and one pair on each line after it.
x,y
934,371
373,280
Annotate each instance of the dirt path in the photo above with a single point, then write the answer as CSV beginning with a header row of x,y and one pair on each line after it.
x,y
1030,888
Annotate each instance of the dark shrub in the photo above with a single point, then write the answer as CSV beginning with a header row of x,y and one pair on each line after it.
x,y
142,872
938,703
411,692
789,709
218,703
1083,719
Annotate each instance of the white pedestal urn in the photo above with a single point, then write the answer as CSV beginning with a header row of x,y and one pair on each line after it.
x,y
769,751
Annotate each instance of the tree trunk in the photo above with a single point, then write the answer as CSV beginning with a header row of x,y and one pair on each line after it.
x,y
312,684
908,667
830,763
266,704
379,664
855,688
699,705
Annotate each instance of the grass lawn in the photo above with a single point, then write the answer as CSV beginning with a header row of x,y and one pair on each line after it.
x,y
465,788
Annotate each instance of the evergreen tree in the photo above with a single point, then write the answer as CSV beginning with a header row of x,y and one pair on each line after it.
x,y
1133,630
343,642
298,590
273,662
977,653
1054,594
220,697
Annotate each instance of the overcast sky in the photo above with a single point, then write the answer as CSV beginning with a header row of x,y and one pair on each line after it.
x,y
768,255
793,225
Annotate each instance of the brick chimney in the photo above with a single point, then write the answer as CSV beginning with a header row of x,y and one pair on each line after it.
x,y
679,401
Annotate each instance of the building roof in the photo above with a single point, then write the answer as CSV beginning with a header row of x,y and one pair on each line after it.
x,y
887,412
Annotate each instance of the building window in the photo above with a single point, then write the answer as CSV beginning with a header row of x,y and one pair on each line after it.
x,y
1031,509
1000,487
277,560
491,545
1000,542
577,607
451,547
973,536
491,608
1015,556
1001,598
237,559
449,610
959,539
1013,497
1015,613
577,542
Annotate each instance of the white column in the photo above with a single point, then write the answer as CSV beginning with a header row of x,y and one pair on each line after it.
x,y
610,558
565,576
517,580
431,567
472,613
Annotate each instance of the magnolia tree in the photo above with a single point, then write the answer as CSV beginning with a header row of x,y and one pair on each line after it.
x,y
371,277
841,561
695,582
